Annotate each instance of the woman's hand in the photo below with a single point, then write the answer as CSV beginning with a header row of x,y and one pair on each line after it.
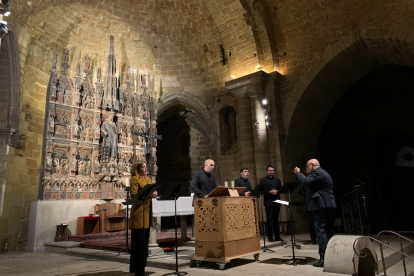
x,y
154,194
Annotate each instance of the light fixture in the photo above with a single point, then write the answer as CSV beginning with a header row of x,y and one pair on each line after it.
x,y
264,102
3,29
233,76
268,122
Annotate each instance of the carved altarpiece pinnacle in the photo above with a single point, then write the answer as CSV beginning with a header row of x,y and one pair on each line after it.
x,y
89,146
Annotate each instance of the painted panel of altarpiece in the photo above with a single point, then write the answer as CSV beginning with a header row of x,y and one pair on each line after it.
x,y
89,148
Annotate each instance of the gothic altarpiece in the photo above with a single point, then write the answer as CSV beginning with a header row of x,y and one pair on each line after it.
x,y
89,148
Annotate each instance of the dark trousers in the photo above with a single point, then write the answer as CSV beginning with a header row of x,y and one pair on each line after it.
x,y
139,243
323,220
311,226
272,217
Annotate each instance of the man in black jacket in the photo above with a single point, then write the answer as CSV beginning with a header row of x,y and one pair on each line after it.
x,y
320,201
302,192
203,181
243,181
272,208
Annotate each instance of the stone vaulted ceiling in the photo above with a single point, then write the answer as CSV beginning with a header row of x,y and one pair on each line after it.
x,y
178,39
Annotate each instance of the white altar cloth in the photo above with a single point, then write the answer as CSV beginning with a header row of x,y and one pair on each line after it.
x,y
165,208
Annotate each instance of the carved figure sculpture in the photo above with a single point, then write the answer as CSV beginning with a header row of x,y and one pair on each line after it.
x,y
51,123
96,164
48,162
143,81
56,165
74,166
109,133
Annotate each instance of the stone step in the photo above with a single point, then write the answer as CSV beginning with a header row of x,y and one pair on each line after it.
x,y
392,257
398,268
156,258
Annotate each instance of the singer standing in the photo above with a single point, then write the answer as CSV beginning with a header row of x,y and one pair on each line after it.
x,y
139,227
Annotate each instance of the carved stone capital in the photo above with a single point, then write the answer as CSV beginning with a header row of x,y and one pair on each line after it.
x,y
251,85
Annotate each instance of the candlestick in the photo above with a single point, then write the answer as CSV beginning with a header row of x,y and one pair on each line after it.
x,y
128,182
232,183
226,183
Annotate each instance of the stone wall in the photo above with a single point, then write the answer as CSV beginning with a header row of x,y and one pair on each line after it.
x,y
317,48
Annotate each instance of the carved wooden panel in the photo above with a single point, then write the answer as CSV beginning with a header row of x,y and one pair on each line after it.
x,y
246,216
232,218
207,219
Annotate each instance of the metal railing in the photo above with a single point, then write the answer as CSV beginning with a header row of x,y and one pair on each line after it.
x,y
364,253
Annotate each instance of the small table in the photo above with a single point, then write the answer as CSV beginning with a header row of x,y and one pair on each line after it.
x,y
61,232
87,225
166,208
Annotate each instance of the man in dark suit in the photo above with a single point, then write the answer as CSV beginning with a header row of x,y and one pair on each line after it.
x,y
203,181
243,181
320,201
302,192
272,208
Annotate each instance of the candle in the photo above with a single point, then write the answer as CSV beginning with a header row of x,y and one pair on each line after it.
x,y
226,183
232,183
128,182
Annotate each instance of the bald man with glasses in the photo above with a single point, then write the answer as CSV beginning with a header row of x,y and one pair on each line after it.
x,y
320,201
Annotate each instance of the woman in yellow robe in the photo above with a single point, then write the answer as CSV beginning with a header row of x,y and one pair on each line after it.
x,y
139,227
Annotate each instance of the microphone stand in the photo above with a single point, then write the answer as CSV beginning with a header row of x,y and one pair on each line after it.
x,y
173,192
258,192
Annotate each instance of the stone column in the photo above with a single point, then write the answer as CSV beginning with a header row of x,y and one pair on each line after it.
x,y
256,92
252,133
245,132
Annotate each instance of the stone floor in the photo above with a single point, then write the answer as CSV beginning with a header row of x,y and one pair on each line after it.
x,y
51,263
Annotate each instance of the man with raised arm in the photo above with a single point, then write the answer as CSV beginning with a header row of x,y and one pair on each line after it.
x,y
320,201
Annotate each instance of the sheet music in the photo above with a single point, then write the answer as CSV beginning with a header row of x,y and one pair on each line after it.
x,y
282,202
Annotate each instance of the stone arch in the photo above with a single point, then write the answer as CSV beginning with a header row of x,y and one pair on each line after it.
x,y
197,115
206,126
10,79
333,74
9,101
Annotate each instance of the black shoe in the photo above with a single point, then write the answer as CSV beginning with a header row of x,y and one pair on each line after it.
x,y
280,239
319,264
314,242
271,240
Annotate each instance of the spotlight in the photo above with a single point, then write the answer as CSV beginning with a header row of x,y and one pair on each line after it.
x,y
264,102
233,76
3,29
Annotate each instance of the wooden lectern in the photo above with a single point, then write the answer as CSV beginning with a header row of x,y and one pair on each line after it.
x,y
226,226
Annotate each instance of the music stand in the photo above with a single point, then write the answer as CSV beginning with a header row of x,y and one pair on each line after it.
x,y
126,248
288,188
257,192
173,192
139,199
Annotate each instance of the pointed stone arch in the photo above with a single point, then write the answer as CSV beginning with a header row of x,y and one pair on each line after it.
x,y
9,101
330,77
197,115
